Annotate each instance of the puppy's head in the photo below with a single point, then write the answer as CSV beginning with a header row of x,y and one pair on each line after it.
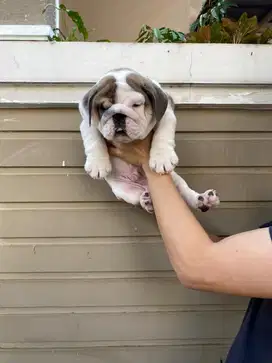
x,y
124,106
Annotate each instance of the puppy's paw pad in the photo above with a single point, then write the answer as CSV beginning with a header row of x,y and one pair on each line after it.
x,y
163,162
146,202
98,169
208,200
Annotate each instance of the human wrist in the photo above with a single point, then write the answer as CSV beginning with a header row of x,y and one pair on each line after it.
x,y
146,167
149,173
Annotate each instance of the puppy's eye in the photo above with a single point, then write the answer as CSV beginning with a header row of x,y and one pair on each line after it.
x,y
136,105
104,107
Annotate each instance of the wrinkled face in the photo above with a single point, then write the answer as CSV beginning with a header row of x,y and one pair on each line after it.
x,y
125,115
124,106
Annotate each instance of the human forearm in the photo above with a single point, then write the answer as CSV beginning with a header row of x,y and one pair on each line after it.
x,y
240,264
185,240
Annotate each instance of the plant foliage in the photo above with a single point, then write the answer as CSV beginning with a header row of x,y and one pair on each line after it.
x,y
244,31
159,35
211,26
78,32
212,11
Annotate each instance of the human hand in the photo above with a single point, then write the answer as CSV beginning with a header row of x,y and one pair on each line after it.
x,y
135,152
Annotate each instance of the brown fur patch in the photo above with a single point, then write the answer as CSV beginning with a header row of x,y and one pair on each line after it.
x,y
152,93
101,96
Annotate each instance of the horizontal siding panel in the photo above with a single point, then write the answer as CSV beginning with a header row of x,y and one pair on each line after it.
x,y
142,354
194,149
89,255
117,219
39,119
49,185
225,149
223,120
215,96
80,292
74,185
41,149
66,119
83,220
113,326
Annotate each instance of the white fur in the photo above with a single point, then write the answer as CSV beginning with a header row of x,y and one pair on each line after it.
x,y
163,157
97,164
127,181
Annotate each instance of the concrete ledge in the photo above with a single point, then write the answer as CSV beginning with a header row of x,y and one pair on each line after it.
x,y
53,74
85,62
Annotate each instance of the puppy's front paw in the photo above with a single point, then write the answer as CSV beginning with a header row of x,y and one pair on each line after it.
x,y
98,168
146,202
163,161
208,200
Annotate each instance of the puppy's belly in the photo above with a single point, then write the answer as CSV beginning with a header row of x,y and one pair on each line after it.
x,y
131,175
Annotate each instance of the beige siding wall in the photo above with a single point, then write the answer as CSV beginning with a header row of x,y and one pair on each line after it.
x,y
86,277
121,20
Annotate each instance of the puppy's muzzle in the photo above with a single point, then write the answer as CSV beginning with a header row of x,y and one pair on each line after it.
x,y
119,121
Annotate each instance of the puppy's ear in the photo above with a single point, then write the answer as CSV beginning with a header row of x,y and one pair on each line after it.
x,y
157,98
85,106
151,91
104,89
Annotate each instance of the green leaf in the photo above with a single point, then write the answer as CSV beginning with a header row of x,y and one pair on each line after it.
x,y
245,27
250,39
145,35
194,26
203,35
216,33
229,25
161,35
62,7
224,30
215,14
211,11
201,20
247,24
157,34
55,38
205,32
76,18
266,36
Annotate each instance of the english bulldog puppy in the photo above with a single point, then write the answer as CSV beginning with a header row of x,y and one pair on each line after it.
x,y
124,106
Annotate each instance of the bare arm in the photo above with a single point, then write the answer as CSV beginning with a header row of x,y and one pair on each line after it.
x,y
240,264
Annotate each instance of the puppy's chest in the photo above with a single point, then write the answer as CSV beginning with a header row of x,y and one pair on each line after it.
x,y
127,173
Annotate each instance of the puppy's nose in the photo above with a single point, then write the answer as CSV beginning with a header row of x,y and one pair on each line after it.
x,y
119,121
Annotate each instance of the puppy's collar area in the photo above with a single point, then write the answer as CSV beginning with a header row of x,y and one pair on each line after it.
x,y
120,108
